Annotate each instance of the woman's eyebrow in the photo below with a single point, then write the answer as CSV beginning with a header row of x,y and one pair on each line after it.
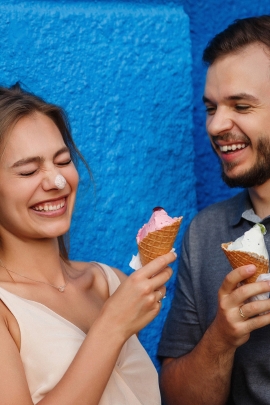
x,y
62,150
38,159
22,162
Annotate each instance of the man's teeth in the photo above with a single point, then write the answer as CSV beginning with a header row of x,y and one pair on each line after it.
x,y
49,207
227,148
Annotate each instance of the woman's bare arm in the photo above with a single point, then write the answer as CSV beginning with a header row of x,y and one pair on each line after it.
x,y
129,309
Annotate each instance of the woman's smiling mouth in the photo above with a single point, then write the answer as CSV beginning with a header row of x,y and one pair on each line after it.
x,y
50,206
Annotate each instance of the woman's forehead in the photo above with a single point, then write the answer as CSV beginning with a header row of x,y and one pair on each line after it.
x,y
32,135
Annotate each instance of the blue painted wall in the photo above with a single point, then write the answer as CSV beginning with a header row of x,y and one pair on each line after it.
x,y
122,71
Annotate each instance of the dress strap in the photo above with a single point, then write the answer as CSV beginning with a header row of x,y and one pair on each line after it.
x,y
113,279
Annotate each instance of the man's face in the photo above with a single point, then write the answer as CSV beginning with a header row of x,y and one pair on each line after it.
x,y
237,100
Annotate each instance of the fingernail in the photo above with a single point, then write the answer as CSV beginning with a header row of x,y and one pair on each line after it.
x,y
175,254
250,268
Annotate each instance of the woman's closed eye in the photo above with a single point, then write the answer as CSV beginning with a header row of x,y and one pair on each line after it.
x,y
67,162
28,173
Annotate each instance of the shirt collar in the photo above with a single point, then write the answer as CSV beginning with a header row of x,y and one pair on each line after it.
x,y
244,209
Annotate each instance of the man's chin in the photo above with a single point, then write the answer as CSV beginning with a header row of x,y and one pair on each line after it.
x,y
246,180
232,182
256,175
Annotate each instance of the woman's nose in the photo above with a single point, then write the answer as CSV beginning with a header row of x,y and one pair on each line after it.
x,y
53,180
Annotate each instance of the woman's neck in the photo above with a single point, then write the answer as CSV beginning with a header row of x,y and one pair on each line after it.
x,y
38,259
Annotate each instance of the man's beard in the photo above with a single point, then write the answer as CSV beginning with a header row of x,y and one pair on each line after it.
x,y
258,174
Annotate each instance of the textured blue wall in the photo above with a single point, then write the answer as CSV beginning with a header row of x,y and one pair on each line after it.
x,y
123,73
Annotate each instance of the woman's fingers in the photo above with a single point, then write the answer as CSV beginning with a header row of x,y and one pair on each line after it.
x,y
155,266
140,295
160,294
148,285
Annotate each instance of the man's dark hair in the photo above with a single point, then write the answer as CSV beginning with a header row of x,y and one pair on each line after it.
x,y
239,34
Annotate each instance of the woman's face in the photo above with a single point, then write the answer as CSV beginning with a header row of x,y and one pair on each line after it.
x,y
31,206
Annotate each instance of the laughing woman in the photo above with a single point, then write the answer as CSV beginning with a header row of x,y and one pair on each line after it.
x,y
67,329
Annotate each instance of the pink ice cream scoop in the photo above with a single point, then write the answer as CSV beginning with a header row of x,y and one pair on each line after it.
x,y
158,220
157,237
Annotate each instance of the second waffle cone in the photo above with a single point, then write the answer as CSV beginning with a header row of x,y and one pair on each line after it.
x,y
238,258
159,242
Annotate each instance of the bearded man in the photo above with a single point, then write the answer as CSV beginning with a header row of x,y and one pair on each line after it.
x,y
216,343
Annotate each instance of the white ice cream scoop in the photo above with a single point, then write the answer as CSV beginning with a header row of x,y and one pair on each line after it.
x,y
60,181
251,241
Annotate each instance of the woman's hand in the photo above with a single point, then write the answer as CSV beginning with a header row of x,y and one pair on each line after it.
x,y
137,301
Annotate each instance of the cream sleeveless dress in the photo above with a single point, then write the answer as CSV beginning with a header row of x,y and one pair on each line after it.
x,y
49,343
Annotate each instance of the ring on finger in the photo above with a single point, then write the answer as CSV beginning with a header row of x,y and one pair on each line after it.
x,y
241,312
161,296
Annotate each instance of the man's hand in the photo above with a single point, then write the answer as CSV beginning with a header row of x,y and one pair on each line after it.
x,y
236,317
203,376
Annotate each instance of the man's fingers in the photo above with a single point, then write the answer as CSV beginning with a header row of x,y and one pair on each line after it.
x,y
257,322
254,308
236,276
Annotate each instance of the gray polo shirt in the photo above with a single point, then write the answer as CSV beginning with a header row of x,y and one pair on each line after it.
x,y
203,266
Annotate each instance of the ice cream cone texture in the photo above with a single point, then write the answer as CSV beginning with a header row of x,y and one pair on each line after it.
x,y
159,241
238,258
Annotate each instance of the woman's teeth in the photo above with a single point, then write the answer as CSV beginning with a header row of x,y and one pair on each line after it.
x,y
49,207
228,148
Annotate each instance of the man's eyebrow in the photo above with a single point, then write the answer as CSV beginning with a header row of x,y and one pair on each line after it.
x,y
205,99
239,96
242,96
37,159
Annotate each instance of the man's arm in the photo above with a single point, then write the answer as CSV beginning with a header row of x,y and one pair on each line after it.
x,y
200,377
203,375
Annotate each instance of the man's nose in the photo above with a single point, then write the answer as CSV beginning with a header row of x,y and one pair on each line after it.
x,y
220,122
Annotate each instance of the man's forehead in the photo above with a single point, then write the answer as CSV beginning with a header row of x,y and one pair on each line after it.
x,y
244,74
244,52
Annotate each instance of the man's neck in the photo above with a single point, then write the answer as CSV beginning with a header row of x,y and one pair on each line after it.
x,y
260,198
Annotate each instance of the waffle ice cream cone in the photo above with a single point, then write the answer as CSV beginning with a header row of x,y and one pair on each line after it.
x,y
159,242
239,258
249,249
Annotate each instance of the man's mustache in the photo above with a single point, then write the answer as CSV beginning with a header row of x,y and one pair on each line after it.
x,y
230,137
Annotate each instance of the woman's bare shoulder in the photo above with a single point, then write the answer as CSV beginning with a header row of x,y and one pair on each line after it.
x,y
93,271
89,277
